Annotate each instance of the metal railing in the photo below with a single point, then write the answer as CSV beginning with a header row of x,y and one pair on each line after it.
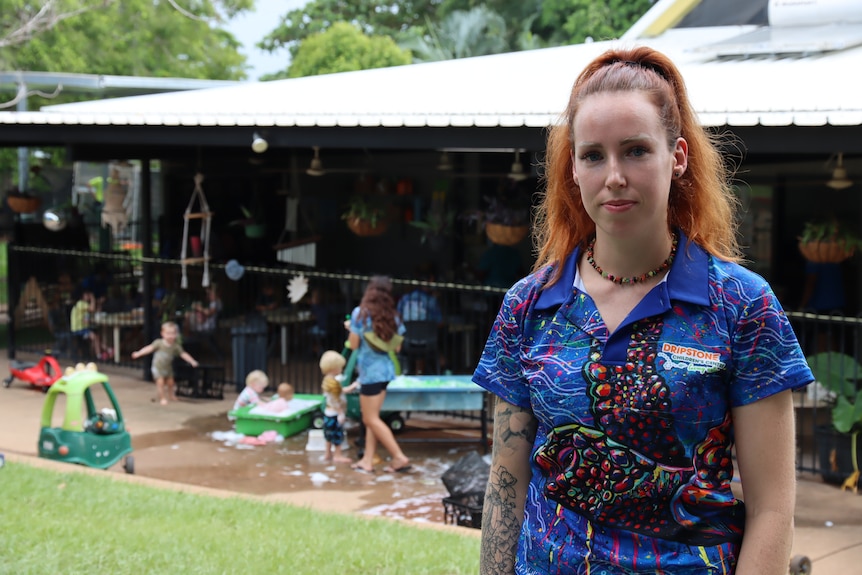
x,y
287,342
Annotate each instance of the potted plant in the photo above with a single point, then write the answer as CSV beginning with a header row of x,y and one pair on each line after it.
x,y
252,225
827,241
23,202
435,227
838,447
506,216
365,217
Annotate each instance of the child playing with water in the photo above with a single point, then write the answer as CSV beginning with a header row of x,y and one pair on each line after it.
x,y
284,395
255,382
331,366
164,350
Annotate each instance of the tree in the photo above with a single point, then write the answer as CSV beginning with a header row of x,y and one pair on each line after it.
x,y
344,48
373,17
134,37
573,21
461,34
167,38
21,21
422,25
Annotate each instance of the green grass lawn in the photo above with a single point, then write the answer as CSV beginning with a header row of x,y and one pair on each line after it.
x,y
75,523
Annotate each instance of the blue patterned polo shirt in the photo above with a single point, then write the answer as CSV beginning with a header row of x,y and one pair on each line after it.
x,y
631,466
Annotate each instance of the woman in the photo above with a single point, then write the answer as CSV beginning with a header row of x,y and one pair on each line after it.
x,y
376,313
638,354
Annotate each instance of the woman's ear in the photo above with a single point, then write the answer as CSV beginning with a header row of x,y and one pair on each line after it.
x,y
680,156
574,172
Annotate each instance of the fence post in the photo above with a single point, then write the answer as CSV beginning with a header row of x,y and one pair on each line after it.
x,y
12,294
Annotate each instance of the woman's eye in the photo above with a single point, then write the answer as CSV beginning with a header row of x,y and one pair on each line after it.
x,y
591,156
638,151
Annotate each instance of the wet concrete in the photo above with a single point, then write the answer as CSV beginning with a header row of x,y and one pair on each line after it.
x,y
195,456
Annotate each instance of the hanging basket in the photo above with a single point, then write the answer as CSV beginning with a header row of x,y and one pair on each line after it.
x,y
363,227
23,204
826,251
506,235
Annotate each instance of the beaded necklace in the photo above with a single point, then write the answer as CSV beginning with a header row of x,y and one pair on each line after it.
x,y
634,279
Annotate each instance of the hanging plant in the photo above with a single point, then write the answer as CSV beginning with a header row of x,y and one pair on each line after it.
x,y
827,242
365,217
252,225
506,215
25,202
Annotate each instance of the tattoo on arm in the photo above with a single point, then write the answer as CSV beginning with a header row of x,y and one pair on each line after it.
x,y
514,431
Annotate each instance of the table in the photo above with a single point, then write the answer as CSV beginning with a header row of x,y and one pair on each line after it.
x,y
432,393
117,321
284,318
204,381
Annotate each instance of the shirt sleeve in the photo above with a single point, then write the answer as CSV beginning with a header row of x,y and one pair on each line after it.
x,y
499,369
766,355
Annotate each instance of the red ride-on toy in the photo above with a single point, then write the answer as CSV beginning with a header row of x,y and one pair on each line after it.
x,y
40,374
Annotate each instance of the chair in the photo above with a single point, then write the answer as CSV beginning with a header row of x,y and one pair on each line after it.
x,y
420,346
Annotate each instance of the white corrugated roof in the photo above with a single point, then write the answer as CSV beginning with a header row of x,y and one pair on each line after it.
x,y
527,88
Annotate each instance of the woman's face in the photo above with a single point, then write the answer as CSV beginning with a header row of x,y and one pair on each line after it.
x,y
622,163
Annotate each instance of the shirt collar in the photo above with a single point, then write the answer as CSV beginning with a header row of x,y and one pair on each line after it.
x,y
688,282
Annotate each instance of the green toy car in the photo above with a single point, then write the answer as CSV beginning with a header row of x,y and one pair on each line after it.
x,y
95,438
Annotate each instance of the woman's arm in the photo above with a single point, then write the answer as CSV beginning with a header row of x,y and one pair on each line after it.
x,y
765,450
353,340
503,513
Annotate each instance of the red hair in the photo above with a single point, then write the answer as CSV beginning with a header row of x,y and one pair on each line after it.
x,y
701,202
378,304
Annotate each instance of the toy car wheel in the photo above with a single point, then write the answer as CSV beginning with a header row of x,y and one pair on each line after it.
x,y
396,423
129,464
800,565
317,420
7,382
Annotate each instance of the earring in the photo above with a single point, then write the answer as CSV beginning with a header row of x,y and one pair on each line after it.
x,y
677,174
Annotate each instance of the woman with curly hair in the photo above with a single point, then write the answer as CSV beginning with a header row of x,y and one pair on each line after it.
x,y
639,357
375,320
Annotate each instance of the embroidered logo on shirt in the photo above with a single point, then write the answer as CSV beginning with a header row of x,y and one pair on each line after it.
x,y
689,358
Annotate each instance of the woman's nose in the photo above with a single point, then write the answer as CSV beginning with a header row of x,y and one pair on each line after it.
x,y
614,179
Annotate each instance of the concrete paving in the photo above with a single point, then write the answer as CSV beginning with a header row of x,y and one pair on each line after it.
x,y
828,520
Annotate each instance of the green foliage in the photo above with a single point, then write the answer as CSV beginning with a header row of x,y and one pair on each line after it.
x,y
365,208
344,48
838,373
73,522
439,223
444,29
461,34
380,18
132,37
829,231
573,21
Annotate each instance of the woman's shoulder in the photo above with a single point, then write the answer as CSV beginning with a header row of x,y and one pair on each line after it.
x,y
734,282
732,272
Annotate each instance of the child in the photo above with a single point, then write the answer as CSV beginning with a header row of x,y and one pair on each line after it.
x,y
331,365
80,316
164,350
280,402
255,382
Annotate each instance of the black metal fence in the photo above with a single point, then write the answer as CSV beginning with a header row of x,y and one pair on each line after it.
x,y
258,326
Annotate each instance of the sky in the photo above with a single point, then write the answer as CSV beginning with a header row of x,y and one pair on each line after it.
x,y
251,27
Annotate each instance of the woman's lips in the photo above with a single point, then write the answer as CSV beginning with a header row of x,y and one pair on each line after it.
x,y
618,205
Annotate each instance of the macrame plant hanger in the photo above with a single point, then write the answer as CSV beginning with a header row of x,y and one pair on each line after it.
x,y
205,215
